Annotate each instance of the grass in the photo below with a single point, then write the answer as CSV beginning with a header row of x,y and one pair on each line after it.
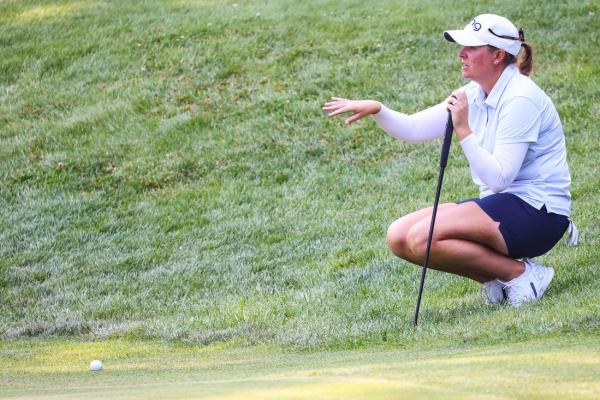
x,y
166,172
175,203
548,368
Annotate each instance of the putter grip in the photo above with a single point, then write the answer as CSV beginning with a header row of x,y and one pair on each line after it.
x,y
447,141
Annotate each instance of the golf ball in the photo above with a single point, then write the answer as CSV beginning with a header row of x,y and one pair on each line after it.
x,y
96,365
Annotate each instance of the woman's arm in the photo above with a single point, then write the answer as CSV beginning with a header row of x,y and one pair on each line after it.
x,y
496,170
425,125
518,126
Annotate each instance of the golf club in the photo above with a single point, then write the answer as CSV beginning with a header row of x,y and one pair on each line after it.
x,y
443,162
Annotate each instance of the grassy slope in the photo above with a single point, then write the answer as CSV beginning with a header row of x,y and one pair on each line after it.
x,y
552,368
166,172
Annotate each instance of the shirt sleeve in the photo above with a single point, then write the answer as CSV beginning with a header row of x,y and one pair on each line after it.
x,y
519,120
497,171
425,125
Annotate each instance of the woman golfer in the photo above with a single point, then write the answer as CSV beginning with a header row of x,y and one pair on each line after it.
x,y
513,139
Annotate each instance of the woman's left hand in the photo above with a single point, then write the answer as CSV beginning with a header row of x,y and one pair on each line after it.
x,y
458,105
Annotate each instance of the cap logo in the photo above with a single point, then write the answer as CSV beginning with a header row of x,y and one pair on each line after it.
x,y
476,25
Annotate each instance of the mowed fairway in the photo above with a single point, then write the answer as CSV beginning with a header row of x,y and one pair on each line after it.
x,y
539,369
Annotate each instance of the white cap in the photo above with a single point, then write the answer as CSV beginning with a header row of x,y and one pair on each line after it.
x,y
489,29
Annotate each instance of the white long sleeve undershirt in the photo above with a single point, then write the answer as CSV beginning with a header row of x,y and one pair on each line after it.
x,y
497,171
425,125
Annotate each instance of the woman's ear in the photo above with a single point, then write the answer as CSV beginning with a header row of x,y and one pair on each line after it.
x,y
499,56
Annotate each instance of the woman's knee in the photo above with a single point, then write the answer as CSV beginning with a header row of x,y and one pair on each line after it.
x,y
396,238
405,242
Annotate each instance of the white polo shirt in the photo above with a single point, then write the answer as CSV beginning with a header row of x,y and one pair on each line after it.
x,y
518,111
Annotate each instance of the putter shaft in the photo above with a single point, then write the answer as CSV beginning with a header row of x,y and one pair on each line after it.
x,y
443,163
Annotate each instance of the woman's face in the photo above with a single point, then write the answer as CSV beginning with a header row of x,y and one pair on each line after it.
x,y
477,62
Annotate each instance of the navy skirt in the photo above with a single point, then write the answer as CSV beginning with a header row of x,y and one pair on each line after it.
x,y
527,231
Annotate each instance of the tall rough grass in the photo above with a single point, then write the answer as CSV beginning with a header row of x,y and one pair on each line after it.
x,y
166,171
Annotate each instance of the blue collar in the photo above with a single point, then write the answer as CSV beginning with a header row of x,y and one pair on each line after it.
x,y
494,97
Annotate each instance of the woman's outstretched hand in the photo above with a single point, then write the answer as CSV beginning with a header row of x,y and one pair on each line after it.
x,y
358,108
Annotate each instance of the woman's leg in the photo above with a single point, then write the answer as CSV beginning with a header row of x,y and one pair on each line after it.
x,y
466,242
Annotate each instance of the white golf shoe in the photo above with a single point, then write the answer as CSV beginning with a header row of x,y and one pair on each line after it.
x,y
529,286
493,292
